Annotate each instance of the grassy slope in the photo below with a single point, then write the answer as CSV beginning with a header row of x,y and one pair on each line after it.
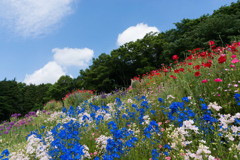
x,y
171,84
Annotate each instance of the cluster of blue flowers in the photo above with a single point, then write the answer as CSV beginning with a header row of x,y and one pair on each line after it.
x,y
237,98
177,112
115,146
67,137
4,155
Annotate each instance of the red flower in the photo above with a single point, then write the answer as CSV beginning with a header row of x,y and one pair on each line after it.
x,y
197,74
175,57
208,64
211,43
190,57
165,70
197,67
222,58
190,63
203,54
181,69
213,47
176,71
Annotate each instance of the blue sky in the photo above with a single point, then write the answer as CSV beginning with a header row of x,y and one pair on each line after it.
x,y
44,39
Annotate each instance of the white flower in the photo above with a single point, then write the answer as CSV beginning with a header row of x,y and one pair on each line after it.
x,y
130,101
86,153
215,106
102,142
170,96
211,158
202,141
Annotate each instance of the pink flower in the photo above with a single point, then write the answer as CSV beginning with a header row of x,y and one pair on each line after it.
x,y
95,153
167,121
162,129
159,123
160,146
235,61
204,81
167,158
234,56
218,80
150,158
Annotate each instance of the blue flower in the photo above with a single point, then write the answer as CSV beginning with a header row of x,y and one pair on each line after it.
x,y
96,158
185,99
204,106
237,97
160,100
167,146
5,152
143,97
155,154
153,111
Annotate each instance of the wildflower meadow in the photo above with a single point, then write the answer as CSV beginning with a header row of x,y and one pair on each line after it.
x,y
185,110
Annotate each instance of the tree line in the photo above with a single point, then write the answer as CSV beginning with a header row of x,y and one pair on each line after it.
x,y
115,70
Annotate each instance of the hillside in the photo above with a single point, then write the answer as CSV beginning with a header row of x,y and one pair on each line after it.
x,y
186,110
114,70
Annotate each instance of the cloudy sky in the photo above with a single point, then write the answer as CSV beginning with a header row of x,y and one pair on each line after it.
x,y
41,40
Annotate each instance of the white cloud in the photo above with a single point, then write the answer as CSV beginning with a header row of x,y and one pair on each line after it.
x,y
73,56
31,18
63,58
135,32
50,73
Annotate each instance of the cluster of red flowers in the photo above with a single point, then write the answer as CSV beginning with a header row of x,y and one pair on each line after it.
x,y
196,54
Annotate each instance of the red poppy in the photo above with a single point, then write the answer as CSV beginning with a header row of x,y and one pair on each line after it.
x,y
222,58
197,74
190,57
181,69
203,54
197,67
213,47
176,71
175,57
190,63
211,43
165,70
208,64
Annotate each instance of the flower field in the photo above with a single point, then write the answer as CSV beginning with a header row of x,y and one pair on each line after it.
x,y
185,110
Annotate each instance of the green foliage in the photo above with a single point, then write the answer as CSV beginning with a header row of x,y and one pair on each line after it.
x,y
63,86
76,98
9,99
53,106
